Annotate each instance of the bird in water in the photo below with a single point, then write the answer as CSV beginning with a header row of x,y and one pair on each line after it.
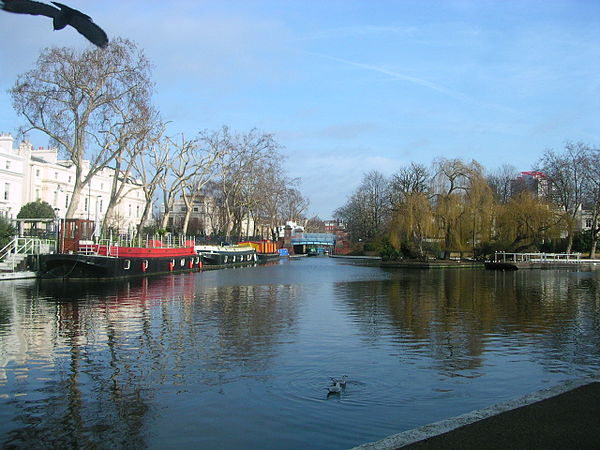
x,y
61,17
335,388
342,381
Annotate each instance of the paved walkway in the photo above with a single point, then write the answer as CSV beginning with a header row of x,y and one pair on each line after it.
x,y
567,421
563,417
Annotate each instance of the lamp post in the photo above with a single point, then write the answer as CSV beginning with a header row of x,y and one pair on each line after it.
x,y
57,227
89,199
97,220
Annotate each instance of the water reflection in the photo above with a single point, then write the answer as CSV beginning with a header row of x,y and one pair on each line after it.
x,y
81,363
458,315
241,357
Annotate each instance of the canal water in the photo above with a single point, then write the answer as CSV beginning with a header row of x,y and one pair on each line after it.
x,y
241,358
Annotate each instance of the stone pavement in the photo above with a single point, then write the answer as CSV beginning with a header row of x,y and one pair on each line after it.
x,y
567,421
563,417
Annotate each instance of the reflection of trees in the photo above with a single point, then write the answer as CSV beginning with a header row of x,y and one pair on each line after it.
x,y
455,314
108,348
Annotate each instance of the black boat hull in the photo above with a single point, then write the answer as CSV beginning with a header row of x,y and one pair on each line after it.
x,y
76,266
268,257
228,259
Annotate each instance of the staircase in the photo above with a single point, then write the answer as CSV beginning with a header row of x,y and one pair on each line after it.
x,y
13,255
12,261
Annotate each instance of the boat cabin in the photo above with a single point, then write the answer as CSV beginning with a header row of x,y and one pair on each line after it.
x,y
74,233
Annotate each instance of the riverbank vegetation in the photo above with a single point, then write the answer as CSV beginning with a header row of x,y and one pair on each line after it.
x,y
458,207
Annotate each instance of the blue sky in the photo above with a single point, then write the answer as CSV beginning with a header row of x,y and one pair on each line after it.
x,y
353,86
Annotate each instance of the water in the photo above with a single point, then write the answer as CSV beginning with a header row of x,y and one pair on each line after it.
x,y
240,358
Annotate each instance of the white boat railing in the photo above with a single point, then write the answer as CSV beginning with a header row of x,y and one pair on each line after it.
x,y
508,257
112,245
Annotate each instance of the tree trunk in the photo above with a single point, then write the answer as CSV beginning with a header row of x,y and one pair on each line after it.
x,y
75,196
569,241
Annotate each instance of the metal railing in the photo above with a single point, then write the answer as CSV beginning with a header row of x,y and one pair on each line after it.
x,y
19,247
112,245
537,257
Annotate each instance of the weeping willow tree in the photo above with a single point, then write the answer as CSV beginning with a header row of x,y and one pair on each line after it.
x,y
450,212
412,222
479,214
526,221
463,204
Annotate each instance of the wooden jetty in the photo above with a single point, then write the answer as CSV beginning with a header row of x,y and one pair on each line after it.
x,y
516,261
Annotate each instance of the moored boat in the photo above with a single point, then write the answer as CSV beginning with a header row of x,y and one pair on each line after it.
x,y
90,265
266,250
226,255
80,258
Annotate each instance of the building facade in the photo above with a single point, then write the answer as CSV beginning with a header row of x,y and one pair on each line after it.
x,y
28,174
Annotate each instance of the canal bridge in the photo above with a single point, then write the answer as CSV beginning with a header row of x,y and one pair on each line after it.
x,y
302,242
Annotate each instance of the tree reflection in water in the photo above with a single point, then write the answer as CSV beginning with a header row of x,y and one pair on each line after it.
x,y
457,314
111,344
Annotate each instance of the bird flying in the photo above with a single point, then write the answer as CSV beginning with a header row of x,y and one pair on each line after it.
x,y
61,17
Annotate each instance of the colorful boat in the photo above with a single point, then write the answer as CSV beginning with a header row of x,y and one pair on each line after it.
x,y
266,250
81,258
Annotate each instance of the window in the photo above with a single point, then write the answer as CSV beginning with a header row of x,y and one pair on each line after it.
x,y
137,211
37,194
101,186
66,200
195,209
588,222
37,172
130,210
6,191
55,202
69,178
85,204
7,164
100,205
56,175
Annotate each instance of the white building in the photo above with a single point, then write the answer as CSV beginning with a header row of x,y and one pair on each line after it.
x,y
28,174
12,173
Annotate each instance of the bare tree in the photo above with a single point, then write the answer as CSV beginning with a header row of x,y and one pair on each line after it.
x,y
150,167
272,190
501,181
202,170
566,172
177,172
410,179
293,205
367,211
247,157
73,95
130,139
314,225
592,195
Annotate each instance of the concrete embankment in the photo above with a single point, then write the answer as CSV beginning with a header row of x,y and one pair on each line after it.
x,y
433,264
414,264
19,275
564,416
582,265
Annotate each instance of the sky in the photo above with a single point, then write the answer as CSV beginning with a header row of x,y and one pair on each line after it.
x,y
348,86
